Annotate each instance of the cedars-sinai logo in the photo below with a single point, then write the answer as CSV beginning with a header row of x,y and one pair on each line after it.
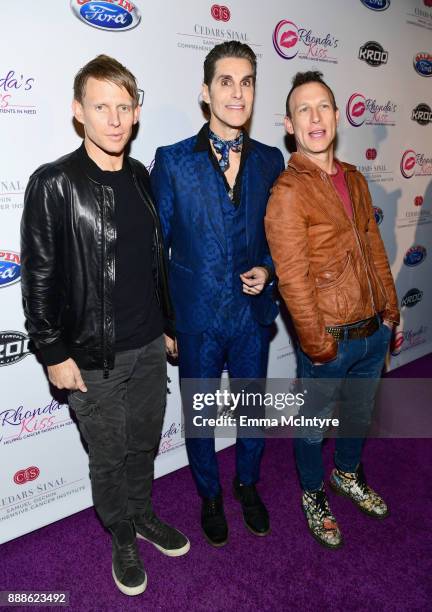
x,y
113,15
289,40
360,110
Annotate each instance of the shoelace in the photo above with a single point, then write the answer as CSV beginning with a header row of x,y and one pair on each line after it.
x,y
359,478
319,499
129,555
212,508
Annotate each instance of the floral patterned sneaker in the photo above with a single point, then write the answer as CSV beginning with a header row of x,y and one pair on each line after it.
x,y
321,522
354,486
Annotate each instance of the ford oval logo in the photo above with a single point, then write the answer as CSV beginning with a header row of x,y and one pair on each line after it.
x,y
376,5
423,64
10,268
415,256
379,215
115,15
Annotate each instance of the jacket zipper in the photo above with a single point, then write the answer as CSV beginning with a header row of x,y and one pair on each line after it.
x,y
353,225
104,347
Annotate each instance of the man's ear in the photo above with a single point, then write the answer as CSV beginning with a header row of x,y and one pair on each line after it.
x,y
205,93
337,116
137,112
77,110
289,126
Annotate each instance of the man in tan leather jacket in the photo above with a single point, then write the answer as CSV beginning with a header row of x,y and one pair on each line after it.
x,y
335,279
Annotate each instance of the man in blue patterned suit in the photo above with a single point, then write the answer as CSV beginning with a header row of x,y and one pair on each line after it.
x,y
211,191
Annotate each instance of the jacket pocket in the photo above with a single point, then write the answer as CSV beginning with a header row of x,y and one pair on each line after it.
x,y
338,292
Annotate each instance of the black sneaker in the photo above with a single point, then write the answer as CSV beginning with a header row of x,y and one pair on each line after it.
x,y
127,568
255,513
168,540
213,521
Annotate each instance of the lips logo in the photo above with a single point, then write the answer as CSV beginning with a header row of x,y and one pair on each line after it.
x,y
418,200
427,3
288,39
10,268
396,346
423,64
112,15
220,12
379,215
371,154
27,475
355,109
376,5
408,162
285,39
415,256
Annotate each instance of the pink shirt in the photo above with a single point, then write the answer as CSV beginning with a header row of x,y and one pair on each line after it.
x,y
342,189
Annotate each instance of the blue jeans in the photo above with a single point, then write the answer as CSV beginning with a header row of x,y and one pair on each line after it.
x,y
352,379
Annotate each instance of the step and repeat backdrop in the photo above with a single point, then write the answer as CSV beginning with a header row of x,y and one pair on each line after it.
x,y
375,54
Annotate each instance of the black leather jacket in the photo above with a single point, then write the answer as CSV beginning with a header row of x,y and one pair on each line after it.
x,y
68,239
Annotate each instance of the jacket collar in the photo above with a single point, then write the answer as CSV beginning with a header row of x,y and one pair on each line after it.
x,y
203,143
301,163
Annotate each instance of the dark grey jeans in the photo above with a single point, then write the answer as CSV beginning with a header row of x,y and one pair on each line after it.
x,y
120,418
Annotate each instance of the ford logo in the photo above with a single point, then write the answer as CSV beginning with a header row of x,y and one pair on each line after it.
x,y
415,256
10,268
423,64
376,5
115,15
379,215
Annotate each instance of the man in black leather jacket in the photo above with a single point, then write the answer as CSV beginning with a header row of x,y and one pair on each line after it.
x,y
96,302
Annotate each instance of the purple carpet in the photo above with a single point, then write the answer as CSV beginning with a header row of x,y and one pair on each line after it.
x,y
383,566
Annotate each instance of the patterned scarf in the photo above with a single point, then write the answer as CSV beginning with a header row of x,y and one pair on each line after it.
x,y
223,148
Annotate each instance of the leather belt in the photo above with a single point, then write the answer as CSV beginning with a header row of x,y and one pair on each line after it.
x,y
363,329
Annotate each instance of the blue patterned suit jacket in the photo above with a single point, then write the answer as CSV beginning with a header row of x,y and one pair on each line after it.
x,y
188,192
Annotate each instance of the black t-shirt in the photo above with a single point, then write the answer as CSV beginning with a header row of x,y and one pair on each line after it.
x,y
137,316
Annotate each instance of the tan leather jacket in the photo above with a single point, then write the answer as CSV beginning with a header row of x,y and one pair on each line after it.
x,y
331,270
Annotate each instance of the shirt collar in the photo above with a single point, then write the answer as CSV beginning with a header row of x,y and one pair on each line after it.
x,y
203,141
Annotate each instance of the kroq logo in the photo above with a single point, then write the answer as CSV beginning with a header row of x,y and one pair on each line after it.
x,y
356,109
285,39
27,475
220,12
408,163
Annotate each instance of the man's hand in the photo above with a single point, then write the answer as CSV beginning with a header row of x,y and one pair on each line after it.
x,y
66,375
171,347
254,280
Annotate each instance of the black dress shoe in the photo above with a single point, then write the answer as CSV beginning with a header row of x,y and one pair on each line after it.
x,y
255,514
213,521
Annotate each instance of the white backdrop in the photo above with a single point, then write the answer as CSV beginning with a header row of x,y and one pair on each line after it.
x,y
44,474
